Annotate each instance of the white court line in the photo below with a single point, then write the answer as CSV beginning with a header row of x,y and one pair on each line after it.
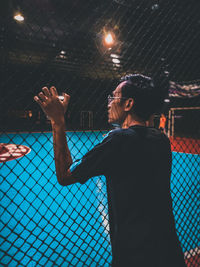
x,y
192,252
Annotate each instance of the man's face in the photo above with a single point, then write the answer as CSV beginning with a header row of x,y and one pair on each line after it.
x,y
116,112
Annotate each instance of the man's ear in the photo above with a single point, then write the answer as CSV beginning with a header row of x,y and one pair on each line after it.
x,y
129,104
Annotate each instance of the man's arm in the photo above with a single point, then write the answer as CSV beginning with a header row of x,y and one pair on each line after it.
x,y
62,155
54,108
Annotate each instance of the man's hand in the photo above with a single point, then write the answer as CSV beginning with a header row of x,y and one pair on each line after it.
x,y
53,107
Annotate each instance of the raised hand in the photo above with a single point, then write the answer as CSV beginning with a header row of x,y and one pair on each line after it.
x,y
53,107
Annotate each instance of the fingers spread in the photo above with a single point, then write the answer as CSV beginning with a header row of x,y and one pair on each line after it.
x,y
53,91
46,91
42,96
38,100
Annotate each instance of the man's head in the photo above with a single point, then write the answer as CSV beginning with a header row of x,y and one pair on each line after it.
x,y
136,95
117,105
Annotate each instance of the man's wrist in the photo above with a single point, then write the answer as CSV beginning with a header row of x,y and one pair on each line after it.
x,y
59,122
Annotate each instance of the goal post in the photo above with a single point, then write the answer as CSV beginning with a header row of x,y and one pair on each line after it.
x,y
86,119
184,121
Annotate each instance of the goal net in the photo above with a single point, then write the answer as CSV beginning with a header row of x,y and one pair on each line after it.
x,y
86,120
184,122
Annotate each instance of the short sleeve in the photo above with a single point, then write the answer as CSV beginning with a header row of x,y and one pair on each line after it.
x,y
97,161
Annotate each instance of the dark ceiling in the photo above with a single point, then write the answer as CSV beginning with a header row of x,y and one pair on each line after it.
x,y
60,43
146,31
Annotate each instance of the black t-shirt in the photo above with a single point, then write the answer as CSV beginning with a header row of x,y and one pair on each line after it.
x,y
137,164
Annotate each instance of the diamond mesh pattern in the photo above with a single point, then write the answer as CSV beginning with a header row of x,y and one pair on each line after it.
x,y
60,43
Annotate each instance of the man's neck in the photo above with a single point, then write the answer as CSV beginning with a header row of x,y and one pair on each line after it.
x,y
132,121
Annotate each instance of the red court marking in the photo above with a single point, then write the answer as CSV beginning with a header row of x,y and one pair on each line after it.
x,y
12,151
185,145
193,261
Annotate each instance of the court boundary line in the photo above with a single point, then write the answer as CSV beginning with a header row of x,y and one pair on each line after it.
x,y
192,252
185,153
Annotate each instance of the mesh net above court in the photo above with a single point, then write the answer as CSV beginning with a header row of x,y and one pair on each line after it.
x,y
62,43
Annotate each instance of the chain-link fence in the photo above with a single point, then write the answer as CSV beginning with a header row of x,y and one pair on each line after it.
x,y
62,43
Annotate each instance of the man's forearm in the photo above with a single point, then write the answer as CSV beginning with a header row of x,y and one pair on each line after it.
x,y
62,155
55,109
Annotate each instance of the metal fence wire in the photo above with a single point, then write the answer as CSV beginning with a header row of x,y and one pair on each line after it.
x,y
62,43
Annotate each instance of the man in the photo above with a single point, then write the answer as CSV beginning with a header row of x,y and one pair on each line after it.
x,y
136,161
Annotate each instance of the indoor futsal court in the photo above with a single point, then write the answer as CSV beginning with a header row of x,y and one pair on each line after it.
x,y
83,48
31,206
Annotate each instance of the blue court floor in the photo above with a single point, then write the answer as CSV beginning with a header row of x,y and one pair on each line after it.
x,y
45,224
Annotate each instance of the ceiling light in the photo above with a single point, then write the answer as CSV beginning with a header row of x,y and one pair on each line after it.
x,y
117,65
155,7
109,39
63,52
19,17
62,56
114,55
116,60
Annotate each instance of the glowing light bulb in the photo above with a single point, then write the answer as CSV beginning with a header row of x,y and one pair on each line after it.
x,y
19,17
114,55
109,38
116,60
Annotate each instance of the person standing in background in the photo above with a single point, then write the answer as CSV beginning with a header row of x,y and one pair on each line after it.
x,y
162,124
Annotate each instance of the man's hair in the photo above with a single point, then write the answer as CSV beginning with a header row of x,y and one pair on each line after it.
x,y
148,93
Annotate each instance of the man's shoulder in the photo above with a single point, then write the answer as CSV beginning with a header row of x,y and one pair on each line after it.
x,y
119,135
136,132
118,132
